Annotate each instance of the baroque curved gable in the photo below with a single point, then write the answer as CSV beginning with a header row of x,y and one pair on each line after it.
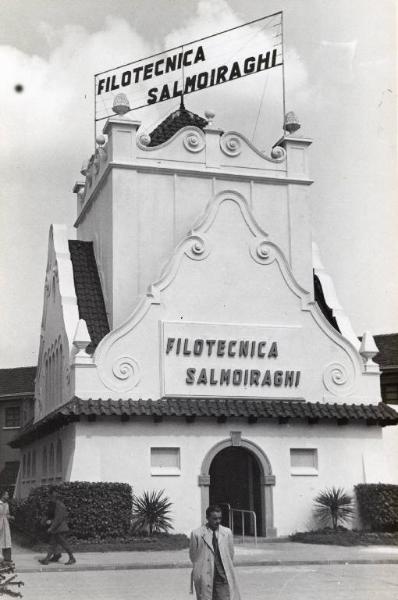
x,y
227,318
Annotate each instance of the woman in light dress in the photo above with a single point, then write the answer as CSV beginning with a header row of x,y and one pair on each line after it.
x,y
5,535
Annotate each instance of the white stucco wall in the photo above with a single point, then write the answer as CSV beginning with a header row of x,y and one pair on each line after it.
x,y
140,217
221,233
139,202
59,320
66,436
390,438
114,451
97,227
228,280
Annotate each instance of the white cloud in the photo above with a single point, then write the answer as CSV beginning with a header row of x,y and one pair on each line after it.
x,y
47,131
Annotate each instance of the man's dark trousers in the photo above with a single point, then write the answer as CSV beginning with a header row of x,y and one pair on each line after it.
x,y
220,583
58,540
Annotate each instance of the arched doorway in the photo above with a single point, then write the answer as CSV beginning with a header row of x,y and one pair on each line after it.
x,y
265,480
235,480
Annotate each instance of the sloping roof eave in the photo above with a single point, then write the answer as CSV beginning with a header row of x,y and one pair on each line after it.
x,y
374,414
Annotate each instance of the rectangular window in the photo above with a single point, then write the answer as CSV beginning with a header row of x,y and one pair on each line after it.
x,y
303,461
165,461
34,464
12,416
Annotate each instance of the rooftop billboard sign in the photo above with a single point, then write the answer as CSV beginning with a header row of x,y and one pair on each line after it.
x,y
220,58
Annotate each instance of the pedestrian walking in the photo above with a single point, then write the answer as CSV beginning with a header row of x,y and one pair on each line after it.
x,y
58,530
211,551
5,533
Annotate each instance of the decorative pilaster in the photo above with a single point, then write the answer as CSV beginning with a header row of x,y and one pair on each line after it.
x,y
212,141
296,155
204,484
267,483
121,132
78,189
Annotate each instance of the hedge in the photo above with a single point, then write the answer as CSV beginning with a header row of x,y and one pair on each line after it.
x,y
345,537
96,510
378,506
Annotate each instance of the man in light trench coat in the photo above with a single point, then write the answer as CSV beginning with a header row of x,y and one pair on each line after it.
x,y
211,552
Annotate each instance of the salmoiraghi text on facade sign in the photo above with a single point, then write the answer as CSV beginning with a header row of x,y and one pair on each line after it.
x,y
229,359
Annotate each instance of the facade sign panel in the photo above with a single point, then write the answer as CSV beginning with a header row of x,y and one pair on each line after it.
x,y
223,359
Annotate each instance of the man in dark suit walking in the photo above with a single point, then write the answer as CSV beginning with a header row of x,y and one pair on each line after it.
x,y
58,527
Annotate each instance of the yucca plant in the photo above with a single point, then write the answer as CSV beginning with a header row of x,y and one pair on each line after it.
x,y
333,505
150,512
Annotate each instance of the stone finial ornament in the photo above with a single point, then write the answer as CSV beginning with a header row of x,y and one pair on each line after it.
x,y
100,139
81,340
78,189
368,349
291,123
145,139
210,114
84,168
121,104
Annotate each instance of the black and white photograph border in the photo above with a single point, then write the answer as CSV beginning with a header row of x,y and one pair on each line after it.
x,y
199,299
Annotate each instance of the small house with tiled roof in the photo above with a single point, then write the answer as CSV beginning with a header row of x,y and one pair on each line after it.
x,y
16,411
192,340
387,359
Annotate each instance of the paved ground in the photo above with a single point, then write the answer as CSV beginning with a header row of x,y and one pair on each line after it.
x,y
286,553
318,582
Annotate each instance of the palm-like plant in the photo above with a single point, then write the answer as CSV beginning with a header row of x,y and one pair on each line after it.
x,y
333,505
150,512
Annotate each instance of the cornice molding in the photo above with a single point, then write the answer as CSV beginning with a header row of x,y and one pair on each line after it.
x,y
203,172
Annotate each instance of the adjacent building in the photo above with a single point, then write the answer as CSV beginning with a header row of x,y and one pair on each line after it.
x,y
16,411
387,359
192,340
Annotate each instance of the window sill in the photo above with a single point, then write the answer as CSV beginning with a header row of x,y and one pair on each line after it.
x,y
304,471
165,471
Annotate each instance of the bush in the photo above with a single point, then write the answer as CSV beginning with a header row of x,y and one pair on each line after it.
x,y
378,506
150,512
161,541
96,510
333,505
344,537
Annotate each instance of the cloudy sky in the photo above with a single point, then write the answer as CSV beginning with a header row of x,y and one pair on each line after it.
x,y
340,80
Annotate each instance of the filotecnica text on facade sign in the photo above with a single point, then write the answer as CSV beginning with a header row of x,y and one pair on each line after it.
x,y
262,349
221,58
206,359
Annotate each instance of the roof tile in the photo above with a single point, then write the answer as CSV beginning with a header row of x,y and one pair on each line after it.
x,y
388,350
89,295
174,122
380,414
17,381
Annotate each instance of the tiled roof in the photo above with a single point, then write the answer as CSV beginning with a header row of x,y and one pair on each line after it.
x,y
90,300
388,350
221,409
320,300
20,381
174,122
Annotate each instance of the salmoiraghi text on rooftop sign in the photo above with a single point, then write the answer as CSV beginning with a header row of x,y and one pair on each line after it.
x,y
227,56
209,359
